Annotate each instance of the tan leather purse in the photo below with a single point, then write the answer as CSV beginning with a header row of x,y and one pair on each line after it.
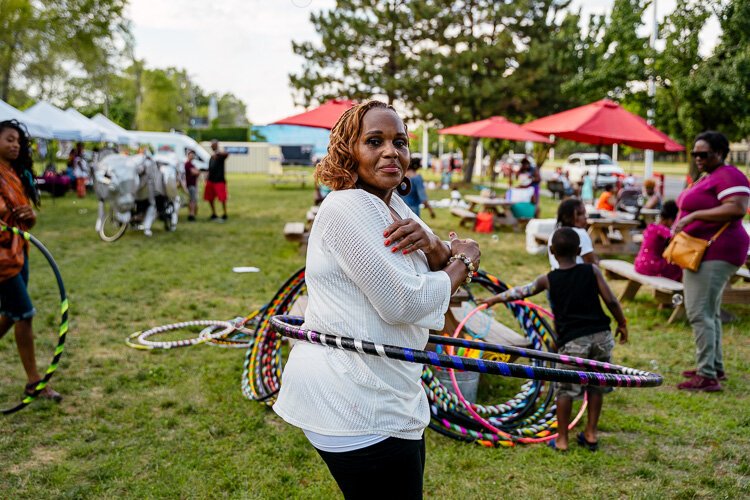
x,y
687,251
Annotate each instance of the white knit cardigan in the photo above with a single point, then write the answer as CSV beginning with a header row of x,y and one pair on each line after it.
x,y
358,288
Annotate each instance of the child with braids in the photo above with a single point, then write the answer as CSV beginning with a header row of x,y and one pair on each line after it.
x,y
17,192
572,213
583,330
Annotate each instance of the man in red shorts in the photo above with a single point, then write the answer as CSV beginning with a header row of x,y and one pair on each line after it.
x,y
216,184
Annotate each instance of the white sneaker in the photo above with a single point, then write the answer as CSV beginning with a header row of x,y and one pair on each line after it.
x,y
147,232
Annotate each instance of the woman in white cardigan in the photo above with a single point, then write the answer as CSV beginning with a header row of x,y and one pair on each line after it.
x,y
374,272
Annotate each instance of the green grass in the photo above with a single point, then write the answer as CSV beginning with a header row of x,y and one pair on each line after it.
x,y
174,424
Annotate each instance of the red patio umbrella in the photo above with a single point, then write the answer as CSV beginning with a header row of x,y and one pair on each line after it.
x,y
670,145
602,123
495,127
324,116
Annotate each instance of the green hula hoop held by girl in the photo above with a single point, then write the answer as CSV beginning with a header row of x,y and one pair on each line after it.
x,y
17,194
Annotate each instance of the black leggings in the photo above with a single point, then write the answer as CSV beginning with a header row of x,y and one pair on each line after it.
x,y
392,468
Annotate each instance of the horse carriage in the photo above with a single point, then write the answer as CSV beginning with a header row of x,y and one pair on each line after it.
x,y
133,191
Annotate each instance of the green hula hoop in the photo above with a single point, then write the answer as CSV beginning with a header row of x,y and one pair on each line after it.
x,y
63,320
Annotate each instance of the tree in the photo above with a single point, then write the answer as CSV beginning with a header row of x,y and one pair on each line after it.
x,y
613,54
159,109
697,94
232,111
724,78
678,103
42,42
363,52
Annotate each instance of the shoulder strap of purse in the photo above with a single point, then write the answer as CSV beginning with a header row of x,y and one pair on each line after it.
x,y
718,233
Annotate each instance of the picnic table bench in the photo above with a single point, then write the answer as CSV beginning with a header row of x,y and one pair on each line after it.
x,y
668,292
466,215
299,232
289,178
295,231
613,236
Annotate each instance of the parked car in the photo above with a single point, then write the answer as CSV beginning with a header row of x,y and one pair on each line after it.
x,y
512,163
578,163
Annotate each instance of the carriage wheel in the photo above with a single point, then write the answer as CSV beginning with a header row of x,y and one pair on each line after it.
x,y
111,229
169,225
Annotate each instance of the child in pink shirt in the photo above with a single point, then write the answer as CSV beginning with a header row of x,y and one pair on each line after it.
x,y
655,239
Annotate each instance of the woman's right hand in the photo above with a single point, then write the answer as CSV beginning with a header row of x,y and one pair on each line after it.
x,y
467,246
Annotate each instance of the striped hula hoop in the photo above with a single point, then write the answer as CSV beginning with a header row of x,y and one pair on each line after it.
x,y
144,343
63,329
607,375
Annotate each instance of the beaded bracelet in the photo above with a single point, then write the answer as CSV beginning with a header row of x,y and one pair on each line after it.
x,y
467,262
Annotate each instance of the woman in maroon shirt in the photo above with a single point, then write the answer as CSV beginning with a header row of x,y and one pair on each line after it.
x,y
718,199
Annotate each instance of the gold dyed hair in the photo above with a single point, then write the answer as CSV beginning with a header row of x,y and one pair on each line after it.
x,y
338,168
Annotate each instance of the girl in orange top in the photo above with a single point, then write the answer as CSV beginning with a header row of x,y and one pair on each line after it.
x,y
606,200
17,192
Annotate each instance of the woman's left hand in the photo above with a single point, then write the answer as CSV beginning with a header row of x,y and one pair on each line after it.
x,y
680,224
407,236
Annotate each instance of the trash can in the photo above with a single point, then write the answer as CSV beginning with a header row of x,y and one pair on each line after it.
x,y
468,382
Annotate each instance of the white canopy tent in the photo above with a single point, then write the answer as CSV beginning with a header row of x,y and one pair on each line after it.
x,y
124,136
35,128
88,125
63,126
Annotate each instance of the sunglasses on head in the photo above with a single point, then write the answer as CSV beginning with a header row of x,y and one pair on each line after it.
x,y
700,154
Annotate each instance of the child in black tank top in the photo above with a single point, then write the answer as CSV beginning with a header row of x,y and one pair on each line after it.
x,y
583,330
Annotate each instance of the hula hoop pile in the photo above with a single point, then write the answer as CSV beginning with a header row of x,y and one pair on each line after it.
x,y
527,417
62,330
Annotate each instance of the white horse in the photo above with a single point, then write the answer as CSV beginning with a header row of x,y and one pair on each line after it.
x,y
137,189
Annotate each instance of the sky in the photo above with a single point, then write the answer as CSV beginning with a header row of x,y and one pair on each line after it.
x,y
245,46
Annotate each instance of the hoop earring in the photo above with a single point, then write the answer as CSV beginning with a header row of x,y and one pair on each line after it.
x,y
405,187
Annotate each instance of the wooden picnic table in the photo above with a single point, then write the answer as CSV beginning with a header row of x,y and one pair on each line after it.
x,y
499,207
649,215
602,232
289,177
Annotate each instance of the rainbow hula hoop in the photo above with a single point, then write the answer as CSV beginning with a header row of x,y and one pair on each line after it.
x,y
63,329
261,370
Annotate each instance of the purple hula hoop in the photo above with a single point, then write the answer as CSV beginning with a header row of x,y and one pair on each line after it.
x,y
606,374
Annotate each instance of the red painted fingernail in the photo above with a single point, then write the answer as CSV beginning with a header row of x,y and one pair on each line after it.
x,y
387,242
385,233
394,249
406,251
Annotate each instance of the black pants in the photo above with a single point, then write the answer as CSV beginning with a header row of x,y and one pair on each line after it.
x,y
390,469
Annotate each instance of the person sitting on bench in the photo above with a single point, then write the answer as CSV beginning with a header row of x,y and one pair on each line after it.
x,y
649,260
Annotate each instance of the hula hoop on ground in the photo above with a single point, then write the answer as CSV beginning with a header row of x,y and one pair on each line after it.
x,y
468,406
531,412
63,329
261,370
608,375
144,343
